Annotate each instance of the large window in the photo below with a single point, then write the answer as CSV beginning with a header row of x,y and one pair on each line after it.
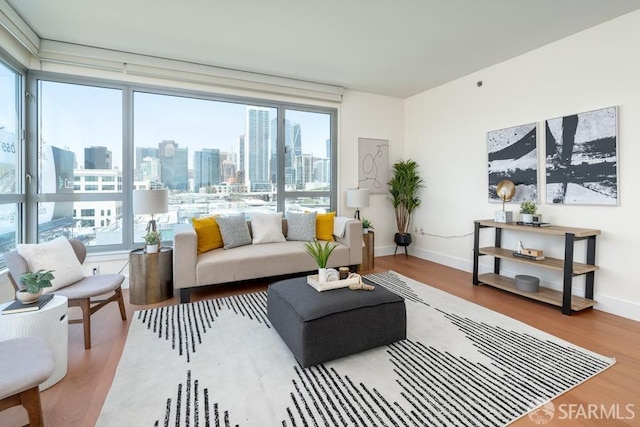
x,y
97,140
220,156
80,144
11,189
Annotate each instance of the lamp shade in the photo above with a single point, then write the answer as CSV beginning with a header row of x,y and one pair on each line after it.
x,y
357,198
150,202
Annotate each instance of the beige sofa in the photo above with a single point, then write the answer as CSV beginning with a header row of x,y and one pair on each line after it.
x,y
248,262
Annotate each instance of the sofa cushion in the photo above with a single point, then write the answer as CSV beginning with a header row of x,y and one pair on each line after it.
x,y
324,225
301,226
234,230
267,227
56,255
208,232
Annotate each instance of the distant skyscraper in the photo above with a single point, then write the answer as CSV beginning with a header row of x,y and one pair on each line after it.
x,y
257,149
173,165
206,168
293,148
241,159
304,170
97,158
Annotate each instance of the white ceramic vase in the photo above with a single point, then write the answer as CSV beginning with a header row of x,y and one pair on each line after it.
x,y
527,218
322,275
25,297
152,249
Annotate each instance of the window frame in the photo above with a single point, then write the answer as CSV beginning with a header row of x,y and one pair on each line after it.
x,y
128,149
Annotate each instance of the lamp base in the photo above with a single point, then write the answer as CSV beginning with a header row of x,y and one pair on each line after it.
x,y
503,216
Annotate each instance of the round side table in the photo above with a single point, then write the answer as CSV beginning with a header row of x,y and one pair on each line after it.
x,y
150,276
50,323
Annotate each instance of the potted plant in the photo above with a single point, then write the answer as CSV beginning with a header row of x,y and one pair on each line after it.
x,y
527,210
404,186
34,282
366,225
152,241
320,252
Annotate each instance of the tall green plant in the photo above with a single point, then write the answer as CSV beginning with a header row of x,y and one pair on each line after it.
x,y
320,252
404,186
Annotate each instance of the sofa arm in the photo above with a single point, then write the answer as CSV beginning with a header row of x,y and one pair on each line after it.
x,y
185,256
353,240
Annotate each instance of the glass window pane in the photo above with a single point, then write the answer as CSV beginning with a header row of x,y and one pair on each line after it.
x,y
9,129
308,204
213,156
95,223
308,151
8,229
80,133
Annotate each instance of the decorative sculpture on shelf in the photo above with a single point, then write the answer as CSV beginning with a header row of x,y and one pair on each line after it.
x,y
505,190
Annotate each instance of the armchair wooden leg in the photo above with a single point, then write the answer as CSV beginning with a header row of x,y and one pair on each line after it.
x,y
123,313
30,399
85,305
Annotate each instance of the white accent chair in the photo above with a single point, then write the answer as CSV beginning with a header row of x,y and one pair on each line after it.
x,y
81,293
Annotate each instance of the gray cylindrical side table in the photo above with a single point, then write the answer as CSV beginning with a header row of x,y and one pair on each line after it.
x,y
150,276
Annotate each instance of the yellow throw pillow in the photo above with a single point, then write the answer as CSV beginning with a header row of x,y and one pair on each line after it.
x,y
324,226
208,232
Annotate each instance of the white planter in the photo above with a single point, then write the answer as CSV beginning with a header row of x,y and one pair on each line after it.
x,y
322,275
527,218
365,231
25,297
152,249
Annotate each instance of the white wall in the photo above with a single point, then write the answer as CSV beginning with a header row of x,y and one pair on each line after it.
x,y
363,115
445,131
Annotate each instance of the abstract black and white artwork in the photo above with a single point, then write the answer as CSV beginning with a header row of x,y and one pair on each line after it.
x,y
373,165
582,159
513,155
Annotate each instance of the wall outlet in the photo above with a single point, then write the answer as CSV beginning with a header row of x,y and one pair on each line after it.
x,y
96,271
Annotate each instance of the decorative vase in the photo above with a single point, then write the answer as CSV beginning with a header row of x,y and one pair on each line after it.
x,y
26,297
365,231
402,239
527,218
322,275
152,249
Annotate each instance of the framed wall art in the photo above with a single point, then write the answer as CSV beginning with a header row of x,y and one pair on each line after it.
x,y
582,158
373,164
513,155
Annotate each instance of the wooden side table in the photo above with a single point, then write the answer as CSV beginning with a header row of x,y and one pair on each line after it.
x,y
368,252
150,276
50,323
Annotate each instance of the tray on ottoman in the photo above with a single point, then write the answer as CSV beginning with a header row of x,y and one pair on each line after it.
x,y
322,326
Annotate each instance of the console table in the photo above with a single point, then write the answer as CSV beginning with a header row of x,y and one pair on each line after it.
x,y
567,266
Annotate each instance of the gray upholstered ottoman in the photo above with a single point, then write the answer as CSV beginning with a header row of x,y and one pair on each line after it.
x,y
322,326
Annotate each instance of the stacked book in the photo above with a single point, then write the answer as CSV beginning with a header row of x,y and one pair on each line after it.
x,y
20,307
532,254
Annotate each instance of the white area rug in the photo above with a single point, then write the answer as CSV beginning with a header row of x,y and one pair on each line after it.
x,y
220,363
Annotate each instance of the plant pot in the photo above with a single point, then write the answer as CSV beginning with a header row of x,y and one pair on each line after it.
x,y
402,239
152,249
527,218
365,231
25,297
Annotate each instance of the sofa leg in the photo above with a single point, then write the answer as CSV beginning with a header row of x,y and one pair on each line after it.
x,y
185,296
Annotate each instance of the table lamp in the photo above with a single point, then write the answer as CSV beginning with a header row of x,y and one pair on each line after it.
x,y
150,202
357,198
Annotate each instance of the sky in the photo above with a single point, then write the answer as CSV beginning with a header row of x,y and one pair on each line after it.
x,y
77,116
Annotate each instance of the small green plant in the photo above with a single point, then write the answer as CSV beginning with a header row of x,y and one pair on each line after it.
x,y
153,237
320,252
34,281
528,207
366,223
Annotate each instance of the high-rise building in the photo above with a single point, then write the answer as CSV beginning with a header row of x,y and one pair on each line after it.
x,y
293,148
97,158
305,172
174,163
206,168
257,149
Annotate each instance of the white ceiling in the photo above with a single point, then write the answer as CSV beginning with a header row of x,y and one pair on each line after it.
x,y
394,47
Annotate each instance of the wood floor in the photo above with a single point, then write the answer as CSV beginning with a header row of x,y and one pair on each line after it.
x,y
78,398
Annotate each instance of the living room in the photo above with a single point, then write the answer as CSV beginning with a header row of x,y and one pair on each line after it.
x,y
444,129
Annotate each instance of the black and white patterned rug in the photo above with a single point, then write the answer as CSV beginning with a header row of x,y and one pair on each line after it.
x,y
220,363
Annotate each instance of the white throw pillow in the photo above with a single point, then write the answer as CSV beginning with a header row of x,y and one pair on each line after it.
x,y
56,255
267,227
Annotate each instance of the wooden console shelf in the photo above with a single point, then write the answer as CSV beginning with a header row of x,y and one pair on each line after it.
x,y
569,268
